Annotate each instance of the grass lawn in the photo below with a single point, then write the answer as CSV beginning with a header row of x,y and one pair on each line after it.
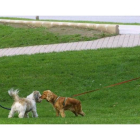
x,y
25,36
69,73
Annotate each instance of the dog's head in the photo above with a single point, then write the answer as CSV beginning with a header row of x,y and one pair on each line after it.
x,y
48,95
36,95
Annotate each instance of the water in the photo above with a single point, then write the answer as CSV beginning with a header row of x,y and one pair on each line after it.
x,y
123,19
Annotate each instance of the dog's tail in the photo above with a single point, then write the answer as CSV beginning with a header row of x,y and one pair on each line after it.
x,y
14,94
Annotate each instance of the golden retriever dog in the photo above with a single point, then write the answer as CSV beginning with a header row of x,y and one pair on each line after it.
x,y
63,103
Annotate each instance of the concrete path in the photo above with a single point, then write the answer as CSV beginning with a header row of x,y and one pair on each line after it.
x,y
108,42
129,29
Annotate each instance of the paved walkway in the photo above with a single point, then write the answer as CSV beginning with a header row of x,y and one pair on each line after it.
x,y
108,42
129,29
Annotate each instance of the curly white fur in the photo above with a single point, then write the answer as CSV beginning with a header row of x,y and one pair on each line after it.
x,y
24,105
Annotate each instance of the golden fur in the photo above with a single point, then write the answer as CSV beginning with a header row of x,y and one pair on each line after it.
x,y
61,104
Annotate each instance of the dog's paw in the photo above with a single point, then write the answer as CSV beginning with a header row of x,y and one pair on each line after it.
x,y
9,116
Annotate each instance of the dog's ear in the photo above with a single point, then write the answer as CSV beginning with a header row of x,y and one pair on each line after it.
x,y
36,96
49,96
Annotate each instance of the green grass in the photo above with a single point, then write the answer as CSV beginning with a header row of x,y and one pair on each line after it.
x,y
18,37
96,22
75,72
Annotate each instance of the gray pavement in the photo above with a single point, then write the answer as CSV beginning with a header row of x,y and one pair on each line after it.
x,y
126,40
129,29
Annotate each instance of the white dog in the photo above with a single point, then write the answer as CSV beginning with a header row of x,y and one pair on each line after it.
x,y
24,105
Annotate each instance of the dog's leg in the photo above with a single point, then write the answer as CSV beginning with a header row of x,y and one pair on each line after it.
x,y
34,112
35,115
57,112
78,108
11,113
21,114
62,113
75,113
26,115
82,113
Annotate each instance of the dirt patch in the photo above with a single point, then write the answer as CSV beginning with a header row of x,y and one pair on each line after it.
x,y
73,31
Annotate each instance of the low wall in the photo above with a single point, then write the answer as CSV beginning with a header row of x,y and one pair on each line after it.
x,y
110,28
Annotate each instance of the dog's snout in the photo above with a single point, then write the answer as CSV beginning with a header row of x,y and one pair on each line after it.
x,y
40,97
